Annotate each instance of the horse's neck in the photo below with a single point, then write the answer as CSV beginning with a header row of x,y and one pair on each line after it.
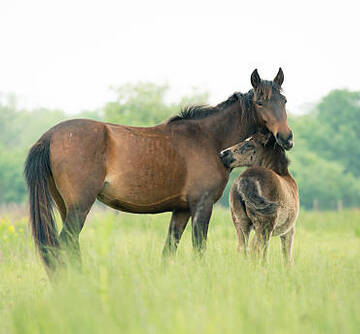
x,y
226,128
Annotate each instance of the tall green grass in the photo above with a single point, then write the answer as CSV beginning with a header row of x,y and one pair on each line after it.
x,y
123,288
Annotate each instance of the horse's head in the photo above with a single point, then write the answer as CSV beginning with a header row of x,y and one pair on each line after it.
x,y
246,153
270,107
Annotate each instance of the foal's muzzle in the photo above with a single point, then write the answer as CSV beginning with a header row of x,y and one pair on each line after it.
x,y
227,158
286,143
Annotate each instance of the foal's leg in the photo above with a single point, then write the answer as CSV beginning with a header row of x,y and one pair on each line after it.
x,y
242,225
179,220
264,227
287,246
243,228
255,247
200,217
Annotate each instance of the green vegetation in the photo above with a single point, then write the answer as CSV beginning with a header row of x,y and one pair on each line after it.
x,y
144,104
124,289
325,160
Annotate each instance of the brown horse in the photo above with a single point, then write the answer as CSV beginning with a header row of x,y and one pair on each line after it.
x,y
264,197
173,166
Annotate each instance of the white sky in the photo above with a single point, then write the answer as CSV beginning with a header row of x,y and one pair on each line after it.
x,y
66,54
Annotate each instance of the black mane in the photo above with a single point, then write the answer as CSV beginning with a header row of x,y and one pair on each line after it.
x,y
276,156
196,112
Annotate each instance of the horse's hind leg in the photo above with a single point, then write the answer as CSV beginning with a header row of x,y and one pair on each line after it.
x,y
287,246
78,200
58,200
179,220
69,235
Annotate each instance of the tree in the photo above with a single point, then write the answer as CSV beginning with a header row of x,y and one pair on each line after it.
x,y
338,114
144,104
12,184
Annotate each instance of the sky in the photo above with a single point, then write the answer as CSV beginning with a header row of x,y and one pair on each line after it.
x,y
67,54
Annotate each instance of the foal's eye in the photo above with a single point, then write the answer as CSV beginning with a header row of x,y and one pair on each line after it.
x,y
259,103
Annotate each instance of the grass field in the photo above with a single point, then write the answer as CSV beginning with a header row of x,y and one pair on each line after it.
x,y
124,289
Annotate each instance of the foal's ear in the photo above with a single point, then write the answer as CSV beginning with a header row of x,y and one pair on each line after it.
x,y
279,79
255,79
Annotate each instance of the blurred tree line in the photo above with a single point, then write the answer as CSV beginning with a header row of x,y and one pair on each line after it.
x,y
325,159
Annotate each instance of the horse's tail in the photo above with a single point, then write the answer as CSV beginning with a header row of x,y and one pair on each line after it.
x,y
250,193
38,175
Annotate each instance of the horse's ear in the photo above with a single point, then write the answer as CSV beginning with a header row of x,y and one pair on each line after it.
x,y
279,79
255,79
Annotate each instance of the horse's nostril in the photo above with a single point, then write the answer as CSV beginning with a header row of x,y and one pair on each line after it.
x,y
286,143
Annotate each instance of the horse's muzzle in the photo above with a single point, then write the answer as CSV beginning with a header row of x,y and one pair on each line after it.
x,y
226,157
285,143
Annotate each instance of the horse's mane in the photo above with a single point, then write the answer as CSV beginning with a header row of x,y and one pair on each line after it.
x,y
197,112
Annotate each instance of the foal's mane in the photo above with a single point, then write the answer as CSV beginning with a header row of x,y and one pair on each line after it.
x,y
198,112
275,156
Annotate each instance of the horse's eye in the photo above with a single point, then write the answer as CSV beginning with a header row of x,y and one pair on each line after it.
x,y
259,103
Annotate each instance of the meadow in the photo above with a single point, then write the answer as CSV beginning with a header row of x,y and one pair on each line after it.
x,y
123,287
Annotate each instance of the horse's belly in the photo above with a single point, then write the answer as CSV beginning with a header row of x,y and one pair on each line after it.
x,y
146,188
167,204
134,192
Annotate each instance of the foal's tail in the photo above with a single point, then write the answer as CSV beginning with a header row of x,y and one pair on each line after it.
x,y
38,175
249,192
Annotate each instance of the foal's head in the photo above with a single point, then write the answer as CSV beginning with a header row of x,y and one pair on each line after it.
x,y
246,153
258,150
270,109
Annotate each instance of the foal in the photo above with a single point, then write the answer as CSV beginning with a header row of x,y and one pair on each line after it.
x,y
264,197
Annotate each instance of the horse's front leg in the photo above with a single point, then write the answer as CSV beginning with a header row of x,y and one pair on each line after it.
x,y
200,217
179,220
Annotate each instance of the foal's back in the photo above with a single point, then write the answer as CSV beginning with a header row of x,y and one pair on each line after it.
x,y
263,192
